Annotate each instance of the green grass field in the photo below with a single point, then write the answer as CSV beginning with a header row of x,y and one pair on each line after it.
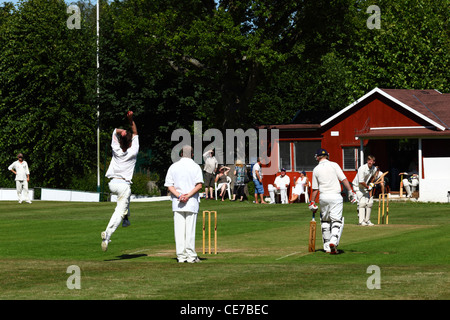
x,y
263,254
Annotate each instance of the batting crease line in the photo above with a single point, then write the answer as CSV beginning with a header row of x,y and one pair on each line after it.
x,y
288,255
139,251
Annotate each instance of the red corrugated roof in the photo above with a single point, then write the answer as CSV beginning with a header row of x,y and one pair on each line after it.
x,y
403,132
430,103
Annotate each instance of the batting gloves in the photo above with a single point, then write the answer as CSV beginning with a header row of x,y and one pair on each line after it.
x,y
352,197
312,206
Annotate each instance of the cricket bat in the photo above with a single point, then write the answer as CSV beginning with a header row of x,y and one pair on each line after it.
x,y
312,234
380,179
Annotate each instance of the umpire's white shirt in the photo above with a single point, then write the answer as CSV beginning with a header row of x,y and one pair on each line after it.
x,y
184,175
21,170
327,176
122,163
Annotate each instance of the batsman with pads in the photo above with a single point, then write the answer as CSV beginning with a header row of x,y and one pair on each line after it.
x,y
327,178
364,182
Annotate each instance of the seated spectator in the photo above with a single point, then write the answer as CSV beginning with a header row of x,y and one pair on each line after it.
x,y
221,180
410,183
280,186
300,186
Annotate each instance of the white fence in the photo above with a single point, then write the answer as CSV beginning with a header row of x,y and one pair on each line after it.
x,y
8,194
69,195
135,198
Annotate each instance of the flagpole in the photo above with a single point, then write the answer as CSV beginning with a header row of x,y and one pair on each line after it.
x,y
98,98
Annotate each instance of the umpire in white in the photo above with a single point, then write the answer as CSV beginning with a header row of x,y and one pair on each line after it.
x,y
184,180
327,176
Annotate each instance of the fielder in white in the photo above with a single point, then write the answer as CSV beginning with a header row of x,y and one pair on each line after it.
x,y
280,186
125,148
184,179
363,185
327,176
22,172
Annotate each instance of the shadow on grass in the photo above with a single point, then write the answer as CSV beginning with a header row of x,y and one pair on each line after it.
x,y
127,256
339,251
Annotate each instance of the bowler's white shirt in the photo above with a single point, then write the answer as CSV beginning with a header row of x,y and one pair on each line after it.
x,y
122,163
327,176
184,175
21,170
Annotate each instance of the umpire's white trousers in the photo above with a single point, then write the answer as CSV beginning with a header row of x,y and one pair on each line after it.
x,y
184,225
331,206
123,191
22,189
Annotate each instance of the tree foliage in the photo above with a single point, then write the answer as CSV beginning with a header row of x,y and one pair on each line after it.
x,y
46,83
228,63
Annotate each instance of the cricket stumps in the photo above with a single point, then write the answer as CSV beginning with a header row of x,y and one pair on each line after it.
x,y
383,203
209,231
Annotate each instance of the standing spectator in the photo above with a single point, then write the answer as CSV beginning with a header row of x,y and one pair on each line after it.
x,y
239,183
257,180
209,169
22,172
327,176
125,148
184,180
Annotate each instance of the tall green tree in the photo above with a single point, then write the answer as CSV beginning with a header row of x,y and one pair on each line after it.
x,y
47,81
410,50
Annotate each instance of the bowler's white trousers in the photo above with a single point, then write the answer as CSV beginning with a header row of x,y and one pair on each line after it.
x,y
331,206
123,191
184,225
